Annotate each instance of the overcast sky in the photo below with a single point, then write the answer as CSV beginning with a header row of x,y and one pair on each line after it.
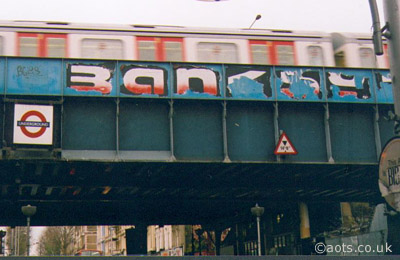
x,y
318,15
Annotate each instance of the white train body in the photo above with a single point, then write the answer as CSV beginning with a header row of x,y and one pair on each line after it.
x,y
167,43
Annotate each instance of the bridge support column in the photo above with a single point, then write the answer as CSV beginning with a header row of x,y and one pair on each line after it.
x,y
347,215
305,234
304,221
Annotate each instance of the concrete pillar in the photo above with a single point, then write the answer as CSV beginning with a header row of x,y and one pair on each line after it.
x,y
304,221
347,215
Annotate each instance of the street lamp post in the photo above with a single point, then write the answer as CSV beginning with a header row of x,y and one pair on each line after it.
x,y
28,211
258,212
258,17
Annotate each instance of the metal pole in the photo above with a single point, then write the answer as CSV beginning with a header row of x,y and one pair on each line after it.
x,y
258,236
28,221
28,211
258,212
392,18
377,37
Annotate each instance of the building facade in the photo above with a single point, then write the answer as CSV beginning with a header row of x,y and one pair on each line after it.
x,y
111,240
167,240
85,238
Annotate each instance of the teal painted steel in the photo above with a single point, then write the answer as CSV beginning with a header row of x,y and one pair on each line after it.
x,y
33,76
198,130
304,124
89,124
37,76
134,111
352,133
144,125
250,131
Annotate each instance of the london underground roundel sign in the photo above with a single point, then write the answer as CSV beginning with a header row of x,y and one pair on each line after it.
x,y
389,173
33,124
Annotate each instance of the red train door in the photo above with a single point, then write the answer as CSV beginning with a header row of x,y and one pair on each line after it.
x,y
160,49
284,53
42,45
272,52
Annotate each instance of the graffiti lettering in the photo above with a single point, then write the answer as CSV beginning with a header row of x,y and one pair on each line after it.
x,y
204,81
30,71
382,79
200,80
302,81
252,74
314,80
84,77
144,80
347,86
248,82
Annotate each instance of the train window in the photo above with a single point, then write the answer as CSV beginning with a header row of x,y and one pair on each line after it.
x,y
367,58
260,53
102,48
173,51
28,46
315,55
160,49
55,47
217,52
285,54
41,45
147,50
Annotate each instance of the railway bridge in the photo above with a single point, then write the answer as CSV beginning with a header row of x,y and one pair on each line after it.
x,y
122,142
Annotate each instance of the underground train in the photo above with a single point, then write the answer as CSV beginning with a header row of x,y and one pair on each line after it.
x,y
181,44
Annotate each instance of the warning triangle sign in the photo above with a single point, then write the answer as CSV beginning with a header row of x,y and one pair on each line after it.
x,y
284,146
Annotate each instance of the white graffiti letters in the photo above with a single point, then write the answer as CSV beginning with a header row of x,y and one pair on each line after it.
x,y
206,76
90,78
155,76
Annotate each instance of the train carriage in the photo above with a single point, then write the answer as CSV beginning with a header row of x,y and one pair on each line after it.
x,y
165,43
175,43
357,50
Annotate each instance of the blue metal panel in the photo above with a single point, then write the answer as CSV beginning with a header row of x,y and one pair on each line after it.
x,y
250,127
350,85
144,79
198,130
144,125
90,78
299,84
303,123
89,124
249,82
198,81
34,76
383,87
352,133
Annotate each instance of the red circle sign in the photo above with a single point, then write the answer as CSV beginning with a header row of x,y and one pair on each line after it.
x,y
41,130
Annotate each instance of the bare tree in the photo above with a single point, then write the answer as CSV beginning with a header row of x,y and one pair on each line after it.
x,y
56,241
